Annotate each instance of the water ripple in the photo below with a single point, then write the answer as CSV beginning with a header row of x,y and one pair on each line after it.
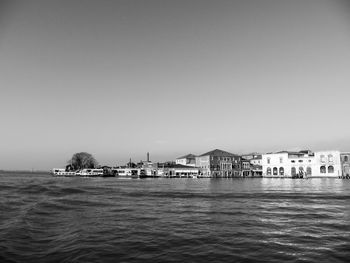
x,y
46,219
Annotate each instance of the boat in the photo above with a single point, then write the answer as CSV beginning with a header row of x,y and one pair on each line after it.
x,y
90,172
62,172
127,172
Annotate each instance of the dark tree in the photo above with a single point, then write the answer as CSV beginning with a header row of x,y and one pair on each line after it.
x,y
83,160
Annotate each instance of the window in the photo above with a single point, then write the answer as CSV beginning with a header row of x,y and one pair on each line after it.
x,y
268,160
281,171
330,169
308,170
268,171
275,171
323,169
293,161
293,171
281,160
301,170
323,159
330,158
346,158
300,161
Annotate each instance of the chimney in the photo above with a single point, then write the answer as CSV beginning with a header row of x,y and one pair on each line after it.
x,y
148,157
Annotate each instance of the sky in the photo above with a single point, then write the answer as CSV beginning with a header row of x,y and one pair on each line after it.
x,y
119,79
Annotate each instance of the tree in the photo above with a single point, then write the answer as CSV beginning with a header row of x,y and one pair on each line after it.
x,y
83,160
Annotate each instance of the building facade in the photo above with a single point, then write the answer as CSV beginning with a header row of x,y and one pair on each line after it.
x,y
254,164
177,170
245,168
218,163
327,164
188,160
345,164
275,165
304,164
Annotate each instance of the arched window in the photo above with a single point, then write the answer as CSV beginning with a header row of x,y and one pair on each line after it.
x,y
275,171
323,158
268,171
330,158
330,169
308,170
293,171
323,169
346,158
281,171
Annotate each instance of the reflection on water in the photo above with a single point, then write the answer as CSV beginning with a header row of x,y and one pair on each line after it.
x,y
194,220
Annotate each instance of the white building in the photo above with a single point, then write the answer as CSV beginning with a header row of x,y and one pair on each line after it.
x,y
256,160
327,164
304,164
188,160
276,165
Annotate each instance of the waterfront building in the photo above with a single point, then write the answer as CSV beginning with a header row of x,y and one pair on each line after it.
x,y
219,163
252,156
256,160
177,170
275,164
123,171
149,168
256,170
327,164
189,160
304,164
254,163
345,164
245,168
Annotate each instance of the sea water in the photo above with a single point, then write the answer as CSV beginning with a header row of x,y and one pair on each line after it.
x,y
61,219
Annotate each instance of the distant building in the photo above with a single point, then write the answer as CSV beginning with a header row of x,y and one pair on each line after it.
x,y
301,164
327,164
257,160
255,164
189,160
177,170
149,168
218,163
250,156
245,167
345,164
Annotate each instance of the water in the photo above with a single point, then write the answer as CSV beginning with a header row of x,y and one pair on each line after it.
x,y
48,219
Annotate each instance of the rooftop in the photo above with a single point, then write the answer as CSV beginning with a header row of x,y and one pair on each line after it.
x,y
190,155
176,166
218,152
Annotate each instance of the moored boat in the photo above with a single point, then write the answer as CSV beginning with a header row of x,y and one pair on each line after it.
x,y
62,172
90,172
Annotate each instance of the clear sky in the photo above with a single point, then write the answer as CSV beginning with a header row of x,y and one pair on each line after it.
x,y
120,78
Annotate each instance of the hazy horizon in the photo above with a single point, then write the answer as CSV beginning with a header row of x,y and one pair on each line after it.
x,y
118,79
